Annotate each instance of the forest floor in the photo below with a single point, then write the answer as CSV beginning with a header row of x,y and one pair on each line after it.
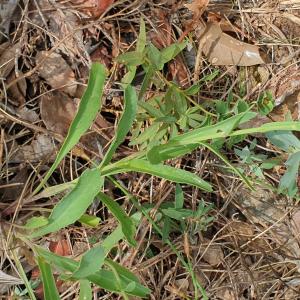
x,y
246,244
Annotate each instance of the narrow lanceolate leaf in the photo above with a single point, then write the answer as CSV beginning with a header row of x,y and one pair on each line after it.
x,y
125,123
73,206
127,225
163,171
185,143
90,263
142,38
103,278
87,112
50,290
86,292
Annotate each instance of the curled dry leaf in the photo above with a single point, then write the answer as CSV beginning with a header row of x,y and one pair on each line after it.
x,y
56,72
93,8
222,49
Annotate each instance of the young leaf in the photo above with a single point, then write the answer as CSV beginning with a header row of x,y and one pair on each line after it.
x,y
73,206
163,171
127,225
50,290
125,124
87,112
142,39
86,292
90,263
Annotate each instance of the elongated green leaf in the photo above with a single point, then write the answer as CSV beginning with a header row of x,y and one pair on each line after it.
x,y
146,82
163,171
103,278
73,206
185,143
86,292
90,263
87,112
50,290
179,197
125,124
142,39
127,225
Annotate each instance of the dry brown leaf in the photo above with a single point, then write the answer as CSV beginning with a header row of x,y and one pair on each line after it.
x,y
213,255
7,59
197,7
12,193
60,247
93,8
57,111
56,72
42,147
222,49
18,90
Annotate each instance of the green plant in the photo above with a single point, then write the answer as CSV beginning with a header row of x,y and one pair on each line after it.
x,y
95,266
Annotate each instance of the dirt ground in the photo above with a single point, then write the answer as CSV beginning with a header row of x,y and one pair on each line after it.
x,y
250,248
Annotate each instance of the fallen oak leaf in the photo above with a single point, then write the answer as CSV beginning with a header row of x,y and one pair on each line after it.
x,y
222,49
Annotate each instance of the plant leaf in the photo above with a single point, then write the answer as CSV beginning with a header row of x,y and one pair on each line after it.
x,y
50,289
285,140
87,112
73,205
125,124
172,51
133,58
142,39
288,182
103,278
186,142
127,225
179,197
90,262
86,292
163,171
